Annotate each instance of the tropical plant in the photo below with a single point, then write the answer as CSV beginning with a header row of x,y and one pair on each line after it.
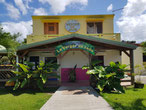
x,y
107,78
72,74
143,44
26,76
8,40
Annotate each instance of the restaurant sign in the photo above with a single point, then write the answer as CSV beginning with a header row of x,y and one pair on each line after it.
x,y
72,25
75,45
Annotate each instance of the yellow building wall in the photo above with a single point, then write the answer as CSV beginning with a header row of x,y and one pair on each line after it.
x,y
38,25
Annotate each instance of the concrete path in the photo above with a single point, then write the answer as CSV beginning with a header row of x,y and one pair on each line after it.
x,y
76,98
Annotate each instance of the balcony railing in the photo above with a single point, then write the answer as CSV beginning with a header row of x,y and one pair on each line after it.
x,y
36,38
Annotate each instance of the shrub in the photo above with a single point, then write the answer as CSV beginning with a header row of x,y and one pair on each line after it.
x,y
26,76
106,79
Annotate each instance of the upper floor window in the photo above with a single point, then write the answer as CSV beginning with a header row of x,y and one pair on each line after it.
x,y
50,28
94,27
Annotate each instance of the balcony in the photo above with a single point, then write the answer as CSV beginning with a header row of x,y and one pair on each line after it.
x,y
36,38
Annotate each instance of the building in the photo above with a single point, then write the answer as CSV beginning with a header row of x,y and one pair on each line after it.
x,y
75,39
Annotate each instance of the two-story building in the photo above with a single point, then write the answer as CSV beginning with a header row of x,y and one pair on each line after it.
x,y
74,40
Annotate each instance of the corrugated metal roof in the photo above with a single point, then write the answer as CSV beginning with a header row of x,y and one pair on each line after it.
x,y
80,36
3,49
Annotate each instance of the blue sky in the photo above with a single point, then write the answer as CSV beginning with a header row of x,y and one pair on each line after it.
x,y
15,13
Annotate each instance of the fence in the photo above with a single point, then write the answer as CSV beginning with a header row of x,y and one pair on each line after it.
x,y
5,72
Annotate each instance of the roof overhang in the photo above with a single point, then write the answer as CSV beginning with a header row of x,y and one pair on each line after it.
x,y
94,40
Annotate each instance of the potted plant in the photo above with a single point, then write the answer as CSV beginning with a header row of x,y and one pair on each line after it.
x,y
72,74
138,83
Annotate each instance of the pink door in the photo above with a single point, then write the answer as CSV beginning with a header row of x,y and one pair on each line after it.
x,y
80,74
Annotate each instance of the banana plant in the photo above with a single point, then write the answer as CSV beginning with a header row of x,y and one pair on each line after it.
x,y
38,77
107,78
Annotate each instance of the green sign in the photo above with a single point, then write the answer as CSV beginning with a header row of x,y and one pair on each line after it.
x,y
75,45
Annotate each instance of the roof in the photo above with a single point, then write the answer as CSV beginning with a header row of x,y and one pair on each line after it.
x,y
80,36
57,16
3,49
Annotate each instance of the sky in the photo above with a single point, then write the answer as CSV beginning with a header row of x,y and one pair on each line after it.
x,y
130,20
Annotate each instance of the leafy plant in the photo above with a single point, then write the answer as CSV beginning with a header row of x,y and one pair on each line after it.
x,y
26,76
107,78
72,74
143,44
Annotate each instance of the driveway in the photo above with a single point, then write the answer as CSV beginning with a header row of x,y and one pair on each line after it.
x,y
76,98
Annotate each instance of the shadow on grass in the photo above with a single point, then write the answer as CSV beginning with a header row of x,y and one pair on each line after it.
x,y
135,105
10,90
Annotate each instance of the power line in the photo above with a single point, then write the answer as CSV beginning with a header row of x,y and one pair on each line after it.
x,y
118,9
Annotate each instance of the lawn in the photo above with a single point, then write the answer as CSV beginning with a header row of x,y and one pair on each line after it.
x,y
24,99
133,99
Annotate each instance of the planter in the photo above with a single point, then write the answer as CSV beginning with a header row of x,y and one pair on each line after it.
x,y
138,85
9,84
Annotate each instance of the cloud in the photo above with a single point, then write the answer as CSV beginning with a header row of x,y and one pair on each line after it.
x,y
21,6
13,12
40,11
132,24
2,1
27,3
59,6
110,7
23,27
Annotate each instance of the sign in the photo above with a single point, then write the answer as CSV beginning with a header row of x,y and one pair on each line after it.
x,y
75,45
72,25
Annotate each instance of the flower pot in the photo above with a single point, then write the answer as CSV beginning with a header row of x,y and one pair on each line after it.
x,y
9,84
138,85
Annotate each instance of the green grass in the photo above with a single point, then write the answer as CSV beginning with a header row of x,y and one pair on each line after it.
x,y
133,99
24,99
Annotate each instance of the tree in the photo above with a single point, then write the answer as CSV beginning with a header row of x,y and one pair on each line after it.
x,y
9,41
143,44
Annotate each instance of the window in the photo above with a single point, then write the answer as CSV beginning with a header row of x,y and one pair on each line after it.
x,y
144,58
94,27
35,60
48,59
50,28
98,58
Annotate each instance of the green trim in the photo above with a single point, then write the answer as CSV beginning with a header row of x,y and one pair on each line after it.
x,y
66,37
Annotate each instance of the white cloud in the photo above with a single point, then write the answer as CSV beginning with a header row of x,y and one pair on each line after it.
x,y
2,1
13,12
110,7
59,6
132,24
27,3
40,11
21,6
23,27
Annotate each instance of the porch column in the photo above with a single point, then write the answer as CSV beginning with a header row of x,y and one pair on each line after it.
x,y
132,66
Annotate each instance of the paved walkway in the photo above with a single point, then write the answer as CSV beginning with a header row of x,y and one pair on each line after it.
x,y
76,98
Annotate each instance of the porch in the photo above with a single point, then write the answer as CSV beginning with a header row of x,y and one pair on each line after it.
x,y
109,49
